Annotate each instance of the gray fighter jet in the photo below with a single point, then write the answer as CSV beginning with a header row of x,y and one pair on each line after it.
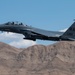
x,y
32,33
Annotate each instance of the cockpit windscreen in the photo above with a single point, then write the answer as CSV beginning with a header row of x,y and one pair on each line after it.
x,y
14,23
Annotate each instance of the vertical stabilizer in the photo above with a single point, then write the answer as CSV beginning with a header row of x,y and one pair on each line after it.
x,y
70,33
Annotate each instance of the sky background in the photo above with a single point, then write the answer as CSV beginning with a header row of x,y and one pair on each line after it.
x,y
53,15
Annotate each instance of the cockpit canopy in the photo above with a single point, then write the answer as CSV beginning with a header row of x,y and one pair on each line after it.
x,y
14,23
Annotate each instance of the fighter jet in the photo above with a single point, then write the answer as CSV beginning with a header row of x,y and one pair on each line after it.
x,y
32,33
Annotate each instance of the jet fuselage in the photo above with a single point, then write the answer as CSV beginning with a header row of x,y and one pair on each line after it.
x,y
32,33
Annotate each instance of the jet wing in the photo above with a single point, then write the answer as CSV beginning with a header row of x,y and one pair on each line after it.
x,y
35,31
48,33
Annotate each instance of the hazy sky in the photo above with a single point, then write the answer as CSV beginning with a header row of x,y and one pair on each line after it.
x,y
45,14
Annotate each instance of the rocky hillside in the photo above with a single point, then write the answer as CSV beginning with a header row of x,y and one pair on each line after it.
x,y
56,59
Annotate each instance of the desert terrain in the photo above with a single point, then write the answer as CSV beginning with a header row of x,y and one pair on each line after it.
x,y
55,59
